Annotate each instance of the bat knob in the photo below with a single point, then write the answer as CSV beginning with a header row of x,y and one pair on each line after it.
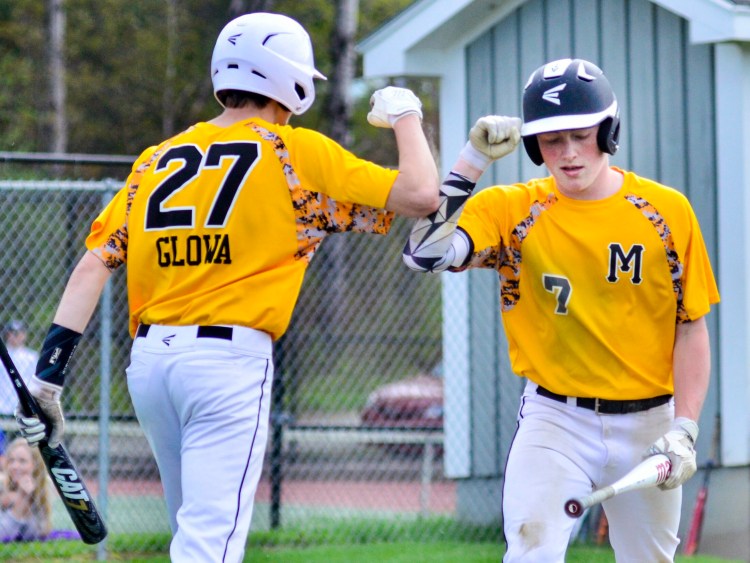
x,y
574,508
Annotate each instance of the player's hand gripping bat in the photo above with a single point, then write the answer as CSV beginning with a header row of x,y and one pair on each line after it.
x,y
651,472
65,476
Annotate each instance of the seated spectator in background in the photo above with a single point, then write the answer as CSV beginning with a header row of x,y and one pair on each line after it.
x,y
25,359
25,500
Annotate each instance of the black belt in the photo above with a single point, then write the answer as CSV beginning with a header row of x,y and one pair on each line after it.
x,y
605,406
208,331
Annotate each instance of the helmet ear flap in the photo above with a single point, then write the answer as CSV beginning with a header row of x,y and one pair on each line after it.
x,y
531,144
609,134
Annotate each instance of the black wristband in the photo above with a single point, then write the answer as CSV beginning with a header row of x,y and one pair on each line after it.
x,y
57,350
463,178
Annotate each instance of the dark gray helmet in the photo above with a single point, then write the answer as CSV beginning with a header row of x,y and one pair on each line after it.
x,y
569,94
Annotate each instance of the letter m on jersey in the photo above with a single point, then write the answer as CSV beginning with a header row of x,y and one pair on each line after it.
x,y
619,261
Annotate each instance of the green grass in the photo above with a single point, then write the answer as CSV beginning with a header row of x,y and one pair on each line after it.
x,y
407,552
433,540
325,539
443,552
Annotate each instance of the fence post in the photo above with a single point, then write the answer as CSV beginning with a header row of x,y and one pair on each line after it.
x,y
428,459
277,437
105,373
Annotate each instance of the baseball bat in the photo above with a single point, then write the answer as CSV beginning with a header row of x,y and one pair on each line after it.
x,y
652,471
696,525
60,466
699,510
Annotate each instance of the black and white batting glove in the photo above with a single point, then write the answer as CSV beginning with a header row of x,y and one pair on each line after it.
x,y
679,446
47,386
47,395
34,430
390,104
491,138
30,427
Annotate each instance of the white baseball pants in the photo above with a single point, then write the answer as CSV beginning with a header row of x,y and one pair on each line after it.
x,y
204,403
562,451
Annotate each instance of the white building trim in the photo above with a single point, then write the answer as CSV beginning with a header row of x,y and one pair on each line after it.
x,y
732,83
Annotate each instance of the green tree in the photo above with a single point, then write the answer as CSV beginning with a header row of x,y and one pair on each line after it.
x,y
138,71
24,122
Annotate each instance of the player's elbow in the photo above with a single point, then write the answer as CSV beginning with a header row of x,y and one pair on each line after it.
x,y
429,201
414,199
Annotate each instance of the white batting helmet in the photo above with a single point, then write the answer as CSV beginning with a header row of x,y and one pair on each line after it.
x,y
268,54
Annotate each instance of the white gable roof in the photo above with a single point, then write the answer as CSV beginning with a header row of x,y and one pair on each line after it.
x,y
412,43
712,21
408,43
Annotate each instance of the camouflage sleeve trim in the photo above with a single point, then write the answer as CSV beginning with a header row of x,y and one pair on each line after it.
x,y
318,215
673,260
506,258
114,252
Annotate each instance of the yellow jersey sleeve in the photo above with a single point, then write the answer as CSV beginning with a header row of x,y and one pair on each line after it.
x,y
336,172
108,238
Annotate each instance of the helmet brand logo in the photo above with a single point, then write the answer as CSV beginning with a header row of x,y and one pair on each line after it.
x,y
233,38
553,94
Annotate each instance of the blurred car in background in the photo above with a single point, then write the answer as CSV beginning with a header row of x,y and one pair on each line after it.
x,y
413,403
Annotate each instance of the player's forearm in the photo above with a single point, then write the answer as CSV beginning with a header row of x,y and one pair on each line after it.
x,y
415,191
691,367
434,245
82,293
463,168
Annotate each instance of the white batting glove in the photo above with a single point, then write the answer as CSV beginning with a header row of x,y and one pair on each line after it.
x,y
30,427
390,104
48,396
491,138
679,446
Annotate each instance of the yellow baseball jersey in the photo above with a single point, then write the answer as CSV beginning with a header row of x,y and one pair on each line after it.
x,y
591,291
217,225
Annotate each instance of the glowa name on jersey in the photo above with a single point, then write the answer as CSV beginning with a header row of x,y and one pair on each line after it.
x,y
193,250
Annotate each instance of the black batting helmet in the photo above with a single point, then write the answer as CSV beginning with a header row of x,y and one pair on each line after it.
x,y
569,94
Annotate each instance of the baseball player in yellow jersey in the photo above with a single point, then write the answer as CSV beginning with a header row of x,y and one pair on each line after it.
x,y
217,226
604,285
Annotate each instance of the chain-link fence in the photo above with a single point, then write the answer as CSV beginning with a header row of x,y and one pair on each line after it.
x,y
356,447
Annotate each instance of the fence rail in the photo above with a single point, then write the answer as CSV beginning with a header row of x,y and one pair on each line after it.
x,y
66,158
